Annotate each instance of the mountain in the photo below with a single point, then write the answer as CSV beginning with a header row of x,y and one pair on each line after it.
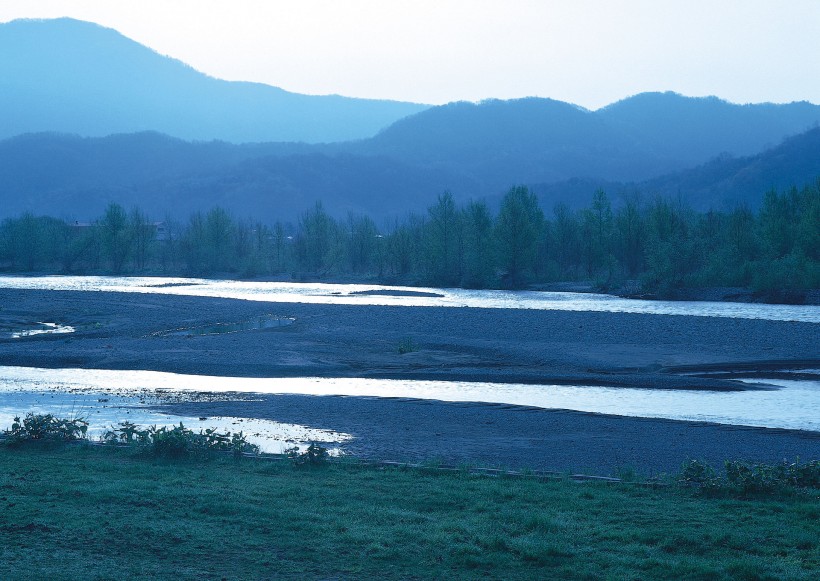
x,y
726,182
723,183
499,142
77,177
542,141
72,76
693,129
74,177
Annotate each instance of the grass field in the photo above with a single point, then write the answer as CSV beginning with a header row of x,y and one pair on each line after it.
x,y
102,513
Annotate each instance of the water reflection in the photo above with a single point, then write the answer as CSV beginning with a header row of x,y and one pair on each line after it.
x,y
41,329
362,294
102,410
264,322
795,405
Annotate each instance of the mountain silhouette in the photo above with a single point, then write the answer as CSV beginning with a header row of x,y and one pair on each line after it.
x,y
71,76
91,117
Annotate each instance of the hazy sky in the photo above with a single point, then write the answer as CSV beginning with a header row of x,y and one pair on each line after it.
x,y
589,52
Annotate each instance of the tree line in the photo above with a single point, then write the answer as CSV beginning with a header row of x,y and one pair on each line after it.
x,y
662,244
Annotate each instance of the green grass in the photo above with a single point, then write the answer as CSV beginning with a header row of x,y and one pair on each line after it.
x,y
96,513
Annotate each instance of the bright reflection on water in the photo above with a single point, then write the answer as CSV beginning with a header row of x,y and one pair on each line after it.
x,y
351,294
41,329
102,410
796,404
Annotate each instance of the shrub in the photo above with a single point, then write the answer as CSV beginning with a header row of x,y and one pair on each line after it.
x,y
697,473
179,441
314,455
46,428
743,478
406,346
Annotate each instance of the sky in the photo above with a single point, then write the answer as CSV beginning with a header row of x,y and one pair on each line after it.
x,y
587,52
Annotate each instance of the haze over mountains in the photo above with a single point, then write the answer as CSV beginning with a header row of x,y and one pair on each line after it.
x,y
67,76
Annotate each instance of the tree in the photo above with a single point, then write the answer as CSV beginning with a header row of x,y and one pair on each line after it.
x,y
364,240
142,233
117,237
630,233
219,231
597,235
319,240
478,236
442,241
518,230
565,233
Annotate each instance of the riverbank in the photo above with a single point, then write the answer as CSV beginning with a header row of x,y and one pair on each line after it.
x,y
128,331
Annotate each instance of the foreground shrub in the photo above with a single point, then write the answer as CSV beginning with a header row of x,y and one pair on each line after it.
x,y
314,455
743,478
179,441
46,428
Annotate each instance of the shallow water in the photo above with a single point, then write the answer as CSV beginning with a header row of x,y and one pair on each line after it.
x,y
789,404
362,294
39,329
103,411
264,322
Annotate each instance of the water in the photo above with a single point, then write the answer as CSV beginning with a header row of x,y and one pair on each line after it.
x,y
106,409
789,404
39,329
263,322
360,294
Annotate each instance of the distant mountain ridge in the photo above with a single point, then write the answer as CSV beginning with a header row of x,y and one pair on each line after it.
x,y
542,140
73,177
72,76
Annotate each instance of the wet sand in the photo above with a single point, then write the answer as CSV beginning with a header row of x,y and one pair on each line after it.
x,y
125,331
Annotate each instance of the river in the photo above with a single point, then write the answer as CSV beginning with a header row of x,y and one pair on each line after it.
x,y
107,397
362,294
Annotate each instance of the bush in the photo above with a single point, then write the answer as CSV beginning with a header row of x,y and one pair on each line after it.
x,y
179,441
742,478
46,428
406,346
315,455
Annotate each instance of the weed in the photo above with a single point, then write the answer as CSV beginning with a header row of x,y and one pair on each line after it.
x,y
406,346
179,441
743,478
46,428
314,455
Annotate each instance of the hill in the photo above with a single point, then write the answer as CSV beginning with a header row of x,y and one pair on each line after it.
x,y
693,129
541,140
77,177
71,76
74,177
726,182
